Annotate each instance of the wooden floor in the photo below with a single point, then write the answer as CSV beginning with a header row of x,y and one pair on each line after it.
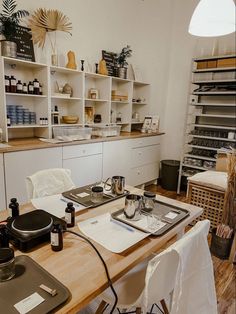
x,y
225,272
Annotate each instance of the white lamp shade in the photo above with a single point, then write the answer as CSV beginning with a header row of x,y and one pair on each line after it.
x,y
213,18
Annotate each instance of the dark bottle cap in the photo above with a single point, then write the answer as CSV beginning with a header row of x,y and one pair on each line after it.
x,y
56,108
6,254
70,204
149,194
24,84
13,200
97,189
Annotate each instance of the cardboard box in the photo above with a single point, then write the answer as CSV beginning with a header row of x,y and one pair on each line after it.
x,y
229,62
201,65
212,64
221,162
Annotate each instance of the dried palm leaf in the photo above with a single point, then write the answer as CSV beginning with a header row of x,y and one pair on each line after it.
x,y
43,21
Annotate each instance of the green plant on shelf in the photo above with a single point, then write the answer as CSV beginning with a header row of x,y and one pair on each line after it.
x,y
121,58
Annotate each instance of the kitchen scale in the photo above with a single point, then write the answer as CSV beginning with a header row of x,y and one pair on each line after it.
x,y
31,229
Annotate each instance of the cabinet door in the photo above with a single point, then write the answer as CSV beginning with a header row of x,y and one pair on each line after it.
x,y
19,165
117,159
85,170
2,185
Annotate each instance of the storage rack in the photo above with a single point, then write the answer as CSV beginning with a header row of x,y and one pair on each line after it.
x,y
211,113
81,82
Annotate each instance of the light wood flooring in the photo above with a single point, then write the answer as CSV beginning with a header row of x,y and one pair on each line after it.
x,y
225,272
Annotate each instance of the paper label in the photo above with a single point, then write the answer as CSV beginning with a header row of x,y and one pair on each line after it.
x,y
83,194
29,303
171,215
68,218
54,239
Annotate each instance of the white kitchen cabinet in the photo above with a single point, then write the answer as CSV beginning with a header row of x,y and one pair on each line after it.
x,y
117,159
2,185
19,165
85,163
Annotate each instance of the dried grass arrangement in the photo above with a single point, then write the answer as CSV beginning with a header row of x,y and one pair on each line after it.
x,y
43,22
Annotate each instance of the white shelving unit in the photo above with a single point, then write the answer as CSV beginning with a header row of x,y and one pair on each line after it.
x,y
211,115
81,82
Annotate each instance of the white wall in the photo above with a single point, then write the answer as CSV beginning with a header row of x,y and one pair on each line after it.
x,y
183,48
112,24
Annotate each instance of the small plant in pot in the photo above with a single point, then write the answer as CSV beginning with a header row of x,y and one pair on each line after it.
x,y
121,61
9,20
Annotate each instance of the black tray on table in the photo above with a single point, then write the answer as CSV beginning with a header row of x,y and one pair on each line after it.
x,y
169,215
82,196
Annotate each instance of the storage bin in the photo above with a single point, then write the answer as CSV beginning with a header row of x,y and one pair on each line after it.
x,y
169,174
105,131
72,133
220,247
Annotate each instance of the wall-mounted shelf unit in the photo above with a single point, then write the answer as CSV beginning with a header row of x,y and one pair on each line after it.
x,y
53,77
211,115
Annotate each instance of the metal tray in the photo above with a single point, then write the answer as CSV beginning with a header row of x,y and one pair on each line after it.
x,y
29,276
160,210
86,200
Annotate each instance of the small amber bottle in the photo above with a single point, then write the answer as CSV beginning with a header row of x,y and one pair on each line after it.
x,y
70,215
14,206
56,237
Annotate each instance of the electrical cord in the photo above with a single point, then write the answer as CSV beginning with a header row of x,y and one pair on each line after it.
x,y
104,264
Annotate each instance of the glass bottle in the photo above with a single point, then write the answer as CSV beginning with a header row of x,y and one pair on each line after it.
x,y
14,206
70,215
36,86
8,121
4,237
30,88
55,116
7,84
13,84
25,89
40,89
19,87
56,237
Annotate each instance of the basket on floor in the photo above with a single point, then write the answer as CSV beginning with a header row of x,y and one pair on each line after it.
x,y
211,200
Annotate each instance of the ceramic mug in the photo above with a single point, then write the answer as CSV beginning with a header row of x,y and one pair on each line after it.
x,y
117,186
133,206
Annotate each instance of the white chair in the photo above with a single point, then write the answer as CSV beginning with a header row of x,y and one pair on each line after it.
x,y
145,284
49,182
193,285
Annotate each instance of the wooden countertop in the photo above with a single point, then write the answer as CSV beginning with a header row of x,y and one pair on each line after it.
x,y
77,265
34,143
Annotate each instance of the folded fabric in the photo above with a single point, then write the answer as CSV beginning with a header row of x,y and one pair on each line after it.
x,y
212,179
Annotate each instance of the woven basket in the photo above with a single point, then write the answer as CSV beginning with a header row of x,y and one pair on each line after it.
x,y
211,200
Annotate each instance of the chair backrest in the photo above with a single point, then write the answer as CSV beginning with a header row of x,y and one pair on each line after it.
x,y
49,182
160,276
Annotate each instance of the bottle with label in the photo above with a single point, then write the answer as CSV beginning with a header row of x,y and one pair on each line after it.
x,y
56,237
55,116
36,86
70,215
13,84
40,89
25,89
46,121
7,84
19,87
8,121
30,88
14,207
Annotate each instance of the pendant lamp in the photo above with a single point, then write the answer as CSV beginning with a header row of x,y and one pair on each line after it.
x,y
213,18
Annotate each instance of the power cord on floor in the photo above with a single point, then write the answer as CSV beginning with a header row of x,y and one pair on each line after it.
x,y
104,264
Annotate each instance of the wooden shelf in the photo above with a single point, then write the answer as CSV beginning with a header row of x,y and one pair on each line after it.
x,y
197,167
64,70
203,147
215,82
24,63
223,69
220,127
215,93
66,98
214,138
200,157
120,102
96,100
26,126
26,95
139,103
214,57
214,116
213,104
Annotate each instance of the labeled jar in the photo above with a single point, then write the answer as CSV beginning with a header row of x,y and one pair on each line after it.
x,y
70,215
36,86
97,194
25,89
56,237
13,84
7,264
30,88
7,84
19,87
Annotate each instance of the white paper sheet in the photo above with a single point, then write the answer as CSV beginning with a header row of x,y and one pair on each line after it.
x,y
54,204
111,234
29,303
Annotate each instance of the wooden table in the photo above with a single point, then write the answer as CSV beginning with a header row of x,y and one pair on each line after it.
x,y
78,267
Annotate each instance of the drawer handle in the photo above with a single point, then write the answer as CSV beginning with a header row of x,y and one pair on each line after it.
x,y
138,172
140,153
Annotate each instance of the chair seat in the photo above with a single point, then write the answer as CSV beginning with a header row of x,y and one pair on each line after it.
x,y
211,179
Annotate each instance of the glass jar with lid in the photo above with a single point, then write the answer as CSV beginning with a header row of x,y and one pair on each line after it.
x,y
97,194
148,200
7,264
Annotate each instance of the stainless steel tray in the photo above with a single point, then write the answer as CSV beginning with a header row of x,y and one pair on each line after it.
x,y
29,276
161,212
86,200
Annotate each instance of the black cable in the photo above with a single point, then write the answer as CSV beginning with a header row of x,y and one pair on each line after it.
x,y
104,264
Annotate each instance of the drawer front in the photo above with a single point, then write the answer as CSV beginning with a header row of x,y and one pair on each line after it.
x,y
2,185
145,155
81,150
146,141
141,175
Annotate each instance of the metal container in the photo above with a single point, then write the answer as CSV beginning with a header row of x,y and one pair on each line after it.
x,y
117,186
133,206
122,73
8,49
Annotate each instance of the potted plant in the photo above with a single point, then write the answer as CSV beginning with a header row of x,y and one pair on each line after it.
x,y
121,61
9,20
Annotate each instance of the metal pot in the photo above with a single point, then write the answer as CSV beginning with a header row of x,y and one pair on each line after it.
x,y
8,49
122,73
133,206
